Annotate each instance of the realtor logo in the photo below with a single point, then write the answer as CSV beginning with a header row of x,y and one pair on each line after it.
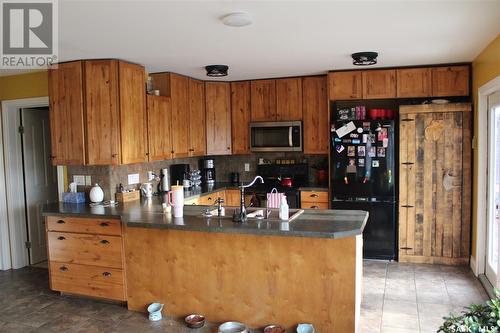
x,y
29,33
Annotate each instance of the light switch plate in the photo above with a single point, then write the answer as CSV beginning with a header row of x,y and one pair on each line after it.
x,y
79,180
133,179
88,180
247,166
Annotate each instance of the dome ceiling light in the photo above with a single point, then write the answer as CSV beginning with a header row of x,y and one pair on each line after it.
x,y
217,70
364,58
237,19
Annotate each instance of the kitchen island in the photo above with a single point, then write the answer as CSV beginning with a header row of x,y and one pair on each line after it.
x,y
258,272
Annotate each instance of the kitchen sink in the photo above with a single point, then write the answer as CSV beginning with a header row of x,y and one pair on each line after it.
x,y
255,214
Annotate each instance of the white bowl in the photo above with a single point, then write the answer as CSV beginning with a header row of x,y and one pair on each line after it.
x,y
232,327
305,328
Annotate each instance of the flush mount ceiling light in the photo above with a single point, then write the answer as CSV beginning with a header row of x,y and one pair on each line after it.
x,y
364,58
237,19
216,70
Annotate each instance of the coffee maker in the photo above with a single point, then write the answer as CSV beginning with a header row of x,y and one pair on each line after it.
x,y
208,171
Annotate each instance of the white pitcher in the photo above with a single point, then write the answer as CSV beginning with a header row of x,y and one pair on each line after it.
x,y
176,199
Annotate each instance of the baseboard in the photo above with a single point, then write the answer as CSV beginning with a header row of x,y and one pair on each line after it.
x,y
434,260
473,265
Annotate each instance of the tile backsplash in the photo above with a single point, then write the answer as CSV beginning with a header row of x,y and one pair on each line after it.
x,y
110,177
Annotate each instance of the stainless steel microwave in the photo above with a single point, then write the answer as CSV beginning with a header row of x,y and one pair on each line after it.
x,y
276,136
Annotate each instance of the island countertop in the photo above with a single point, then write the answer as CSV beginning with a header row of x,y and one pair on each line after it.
x,y
149,214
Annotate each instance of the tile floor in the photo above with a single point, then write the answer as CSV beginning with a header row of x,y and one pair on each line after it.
x,y
397,298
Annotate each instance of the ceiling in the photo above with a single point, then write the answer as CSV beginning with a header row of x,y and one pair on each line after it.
x,y
287,38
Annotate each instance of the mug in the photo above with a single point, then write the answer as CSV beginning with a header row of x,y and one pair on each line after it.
x,y
176,199
186,183
147,190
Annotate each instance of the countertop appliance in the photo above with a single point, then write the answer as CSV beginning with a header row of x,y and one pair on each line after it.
x,y
272,175
207,171
164,184
363,159
178,172
276,136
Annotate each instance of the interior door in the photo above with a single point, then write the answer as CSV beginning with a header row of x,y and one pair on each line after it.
x,y
492,237
40,177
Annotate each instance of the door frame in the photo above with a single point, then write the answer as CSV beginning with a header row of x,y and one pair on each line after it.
x,y
14,253
478,263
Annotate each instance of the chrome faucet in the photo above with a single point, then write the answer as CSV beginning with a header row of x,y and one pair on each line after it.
x,y
241,215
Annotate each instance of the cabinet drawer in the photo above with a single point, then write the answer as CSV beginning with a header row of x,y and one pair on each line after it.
x,y
314,196
84,225
87,280
314,205
97,250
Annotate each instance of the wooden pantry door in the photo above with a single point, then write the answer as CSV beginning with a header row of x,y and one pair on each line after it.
x,y
435,190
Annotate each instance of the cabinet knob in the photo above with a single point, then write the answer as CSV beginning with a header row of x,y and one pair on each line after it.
x,y
52,157
60,222
104,224
106,274
104,241
314,207
61,238
63,269
114,155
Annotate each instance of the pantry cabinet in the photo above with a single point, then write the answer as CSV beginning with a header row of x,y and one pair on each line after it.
x,y
197,140
240,117
263,100
218,118
345,85
315,114
65,85
450,81
289,99
159,131
414,82
92,103
379,84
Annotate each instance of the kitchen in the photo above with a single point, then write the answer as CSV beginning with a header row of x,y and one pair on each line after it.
x,y
174,176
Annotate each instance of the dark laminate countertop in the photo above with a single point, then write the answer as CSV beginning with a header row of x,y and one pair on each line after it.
x,y
149,214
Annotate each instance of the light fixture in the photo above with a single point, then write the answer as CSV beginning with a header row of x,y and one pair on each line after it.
x,y
237,19
364,58
216,70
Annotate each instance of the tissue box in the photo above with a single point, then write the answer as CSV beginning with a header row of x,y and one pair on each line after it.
x,y
73,197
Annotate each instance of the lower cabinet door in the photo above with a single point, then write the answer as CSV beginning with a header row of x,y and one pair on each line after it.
x,y
87,280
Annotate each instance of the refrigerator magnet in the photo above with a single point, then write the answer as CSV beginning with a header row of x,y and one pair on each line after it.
x,y
361,162
365,138
351,168
351,151
366,125
385,142
375,164
382,134
380,152
339,148
354,135
332,128
346,140
338,140
360,130
346,129
356,141
371,137
372,152
361,151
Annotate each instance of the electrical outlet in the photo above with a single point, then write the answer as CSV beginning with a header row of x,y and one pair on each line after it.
x,y
88,180
133,179
247,167
79,180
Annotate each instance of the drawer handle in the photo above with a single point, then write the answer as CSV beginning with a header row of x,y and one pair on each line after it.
x,y
63,269
313,195
209,198
104,224
60,222
314,207
61,238
104,241
106,274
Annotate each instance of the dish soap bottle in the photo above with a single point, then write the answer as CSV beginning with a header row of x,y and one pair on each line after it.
x,y
283,209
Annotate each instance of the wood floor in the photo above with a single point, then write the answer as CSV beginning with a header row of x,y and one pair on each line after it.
x,y
397,298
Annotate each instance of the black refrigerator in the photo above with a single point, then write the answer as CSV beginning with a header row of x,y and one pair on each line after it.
x,y
363,160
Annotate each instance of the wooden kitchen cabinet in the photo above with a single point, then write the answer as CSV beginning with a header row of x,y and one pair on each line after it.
x,y
414,82
379,83
209,199
133,119
263,100
314,199
315,114
345,85
65,85
197,136
434,184
159,131
218,118
240,117
289,99
86,256
450,81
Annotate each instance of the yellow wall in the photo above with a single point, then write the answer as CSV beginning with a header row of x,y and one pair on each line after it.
x,y
24,85
484,68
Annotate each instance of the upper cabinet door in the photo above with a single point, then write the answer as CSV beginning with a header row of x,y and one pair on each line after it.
x,y
414,82
240,116
379,84
316,122
101,112
134,145
289,99
218,110
179,92
66,114
450,81
345,85
263,100
159,132
197,140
